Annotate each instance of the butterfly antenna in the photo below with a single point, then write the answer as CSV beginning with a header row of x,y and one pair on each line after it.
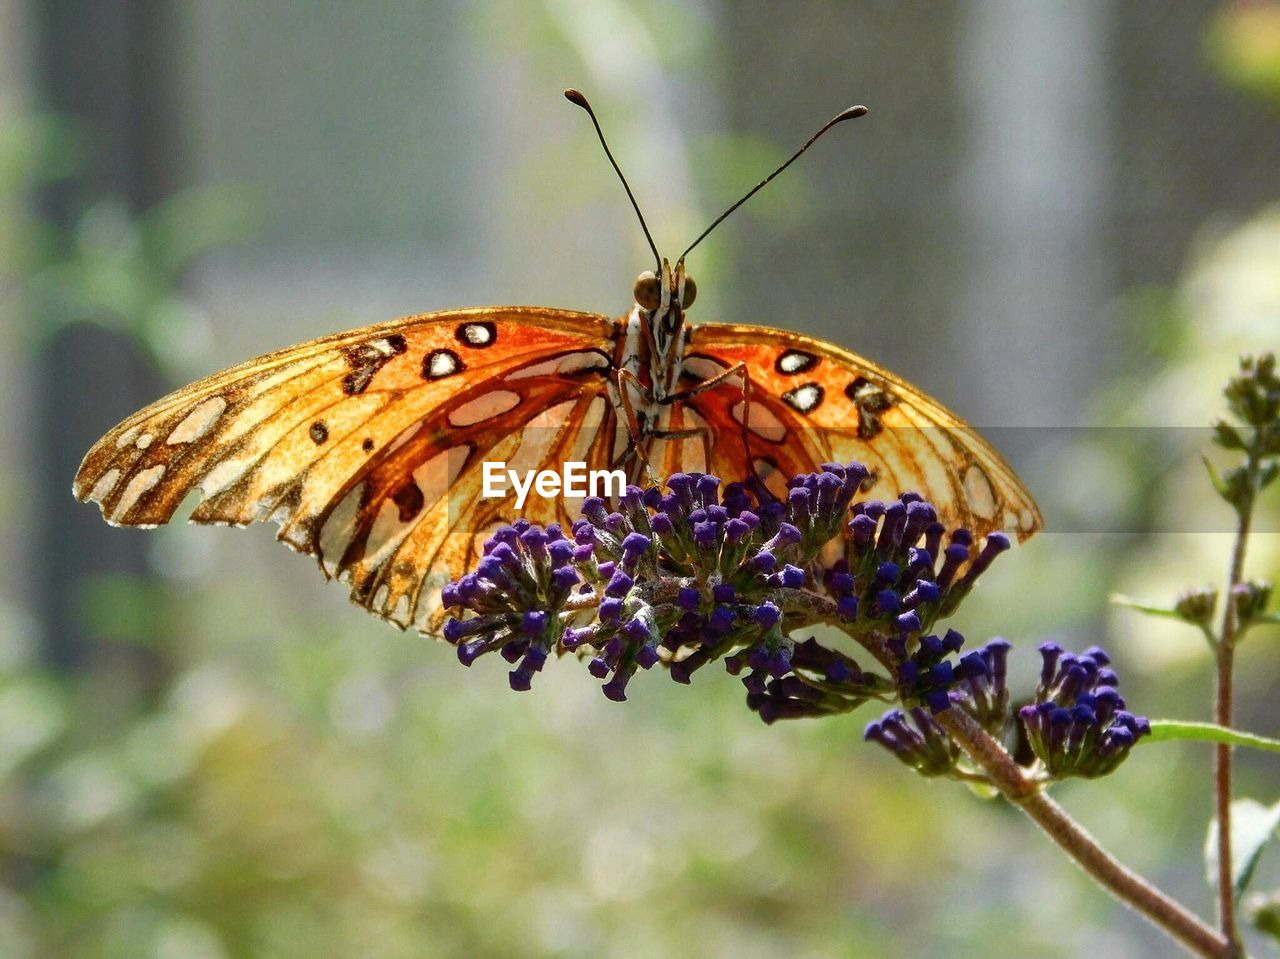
x,y
573,96
848,114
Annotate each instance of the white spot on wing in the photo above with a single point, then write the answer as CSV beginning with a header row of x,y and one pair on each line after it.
x,y
338,529
804,398
561,365
144,441
125,438
106,483
137,485
223,475
484,407
442,363
198,422
763,423
794,361
978,491
591,421
702,368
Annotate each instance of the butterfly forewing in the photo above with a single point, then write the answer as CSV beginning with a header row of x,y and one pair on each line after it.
x,y
810,402
367,447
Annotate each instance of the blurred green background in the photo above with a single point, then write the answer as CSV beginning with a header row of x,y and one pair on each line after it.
x,y
1060,218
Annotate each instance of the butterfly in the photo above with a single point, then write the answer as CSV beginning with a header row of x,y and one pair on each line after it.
x,y
367,448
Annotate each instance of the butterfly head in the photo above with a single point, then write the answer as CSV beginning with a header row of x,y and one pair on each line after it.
x,y
662,300
672,292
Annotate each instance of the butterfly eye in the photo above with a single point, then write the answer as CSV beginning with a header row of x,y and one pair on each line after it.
x,y
690,292
648,291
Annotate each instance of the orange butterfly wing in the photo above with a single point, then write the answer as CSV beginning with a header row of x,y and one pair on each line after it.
x,y
365,447
812,402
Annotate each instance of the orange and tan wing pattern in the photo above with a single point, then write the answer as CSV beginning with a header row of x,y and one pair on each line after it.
x,y
366,447
812,402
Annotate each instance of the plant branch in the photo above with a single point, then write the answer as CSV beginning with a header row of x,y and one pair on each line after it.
x,y
1130,888
1222,715
1025,791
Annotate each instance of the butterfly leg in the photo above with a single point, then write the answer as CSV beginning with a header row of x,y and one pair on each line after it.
x,y
710,383
623,381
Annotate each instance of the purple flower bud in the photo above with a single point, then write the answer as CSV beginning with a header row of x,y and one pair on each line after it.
x,y
973,665
575,637
1098,655
887,602
765,561
864,532
688,598
564,578
766,615
1050,652
887,573
847,607
952,641
721,619
996,544
534,622
707,485
660,523
560,551
647,657
598,667
998,649
610,610
704,534
616,689
788,535
724,593
792,576
908,622
455,629
468,653
619,584
937,700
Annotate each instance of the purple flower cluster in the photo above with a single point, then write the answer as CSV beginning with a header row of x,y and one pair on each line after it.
x,y
929,683
916,739
693,573
1078,725
517,592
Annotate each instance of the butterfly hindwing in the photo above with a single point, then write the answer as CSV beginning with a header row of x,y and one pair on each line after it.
x,y
812,402
366,447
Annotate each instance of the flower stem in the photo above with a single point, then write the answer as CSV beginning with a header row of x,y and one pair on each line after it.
x,y
1222,715
1197,936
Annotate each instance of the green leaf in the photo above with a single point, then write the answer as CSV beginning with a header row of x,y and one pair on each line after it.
x,y
1264,912
1150,609
1216,478
1164,730
1228,437
1253,825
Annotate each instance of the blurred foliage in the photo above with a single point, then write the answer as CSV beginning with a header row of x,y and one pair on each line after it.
x,y
1243,44
308,783
112,268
